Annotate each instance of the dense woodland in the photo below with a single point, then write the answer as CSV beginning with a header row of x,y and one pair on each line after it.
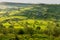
x,y
33,22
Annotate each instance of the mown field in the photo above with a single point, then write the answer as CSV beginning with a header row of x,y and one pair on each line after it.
x,y
34,22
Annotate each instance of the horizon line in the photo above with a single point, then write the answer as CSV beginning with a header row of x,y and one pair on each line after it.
x,y
30,3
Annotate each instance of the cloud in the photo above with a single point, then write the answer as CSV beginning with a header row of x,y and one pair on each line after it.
x,y
33,1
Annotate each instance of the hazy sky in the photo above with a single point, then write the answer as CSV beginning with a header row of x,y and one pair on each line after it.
x,y
33,1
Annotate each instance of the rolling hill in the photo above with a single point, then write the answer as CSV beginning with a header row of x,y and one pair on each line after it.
x,y
29,21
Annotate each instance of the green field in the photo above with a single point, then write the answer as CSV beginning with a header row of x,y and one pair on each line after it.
x,y
29,22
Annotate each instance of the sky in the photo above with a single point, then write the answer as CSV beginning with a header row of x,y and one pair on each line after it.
x,y
34,1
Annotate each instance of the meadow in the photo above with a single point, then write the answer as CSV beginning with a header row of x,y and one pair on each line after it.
x,y
34,22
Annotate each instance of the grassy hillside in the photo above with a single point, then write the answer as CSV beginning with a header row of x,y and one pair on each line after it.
x,y
30,22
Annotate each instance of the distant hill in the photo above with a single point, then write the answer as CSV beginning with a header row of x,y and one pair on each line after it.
x,y
14,4
36,11
4,5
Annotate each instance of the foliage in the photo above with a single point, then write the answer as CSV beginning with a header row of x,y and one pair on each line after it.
x,y
34,22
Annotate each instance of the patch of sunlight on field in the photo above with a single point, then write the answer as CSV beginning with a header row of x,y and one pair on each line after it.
x,y
20,17
49,24
30,21
2,12
1,19
27,8
21,10
14,12
18,26
21,24
43,27
43,24
6,24
11,17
